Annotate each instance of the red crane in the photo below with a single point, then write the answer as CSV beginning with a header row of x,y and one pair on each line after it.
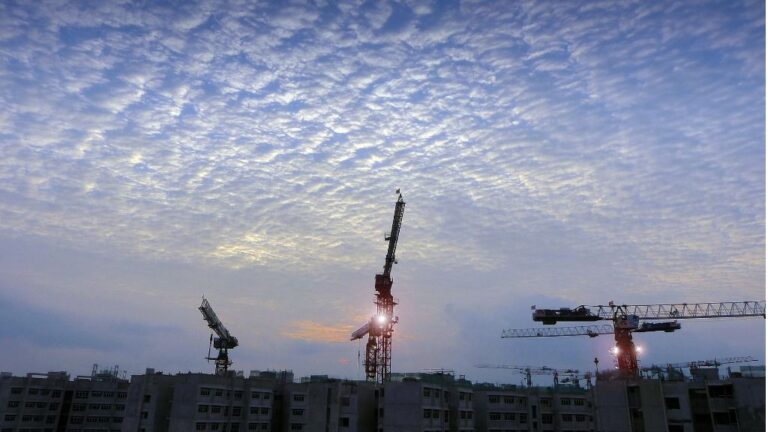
x,y
378,349
626,320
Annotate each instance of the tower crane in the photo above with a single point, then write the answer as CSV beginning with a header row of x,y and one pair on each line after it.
x,y
378,349
532,370
223,342
626,321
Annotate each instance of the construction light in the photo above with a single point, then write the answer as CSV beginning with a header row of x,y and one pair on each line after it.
x,y
615,350
639,349
382,320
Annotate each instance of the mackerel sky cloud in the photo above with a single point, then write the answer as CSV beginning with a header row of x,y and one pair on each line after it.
x,y
550,153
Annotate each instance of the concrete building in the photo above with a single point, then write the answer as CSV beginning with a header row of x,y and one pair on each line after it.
x,y
203,402
320,404
425,402
512,408
704,403
422,402
51,402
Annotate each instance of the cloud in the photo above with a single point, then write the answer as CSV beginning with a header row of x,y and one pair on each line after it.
x,y
576,148
311,331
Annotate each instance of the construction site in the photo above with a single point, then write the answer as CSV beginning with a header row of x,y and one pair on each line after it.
x,y
717,395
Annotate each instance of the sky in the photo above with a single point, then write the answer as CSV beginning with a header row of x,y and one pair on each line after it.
x,y
549,153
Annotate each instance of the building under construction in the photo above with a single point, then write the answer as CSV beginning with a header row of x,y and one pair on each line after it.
x,y
274,401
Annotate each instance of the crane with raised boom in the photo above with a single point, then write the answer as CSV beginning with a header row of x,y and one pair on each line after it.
x,y
378,349
223,341
626,320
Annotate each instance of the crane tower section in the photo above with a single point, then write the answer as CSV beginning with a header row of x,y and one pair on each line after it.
x,y
378,349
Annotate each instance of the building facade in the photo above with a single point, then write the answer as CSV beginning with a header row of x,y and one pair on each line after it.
x,y
436,402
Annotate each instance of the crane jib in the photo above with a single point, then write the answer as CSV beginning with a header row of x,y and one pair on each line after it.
x,y
394,233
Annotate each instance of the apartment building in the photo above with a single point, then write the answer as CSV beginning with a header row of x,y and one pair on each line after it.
x,y
320,404
732,404
428,402
51,402
513,408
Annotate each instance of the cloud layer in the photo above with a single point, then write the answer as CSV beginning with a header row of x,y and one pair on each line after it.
x,y
584,149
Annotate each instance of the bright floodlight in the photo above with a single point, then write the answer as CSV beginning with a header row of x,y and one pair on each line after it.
x,y
615,350
639,349
381,319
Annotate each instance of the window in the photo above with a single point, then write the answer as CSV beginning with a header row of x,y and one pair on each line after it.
x,y
109,394
144,414
234,427
509,400
567,417
546,418
147,398
509,416
78,407
81,395
297,412
56,393
446,395
264,410
238,394
205,391
254,410
523,418
494,416
76,420
13,404
266,396
578,402
92,419
435,414
16,390
721,391
579,417
214,426
53,406
427,413
345,401
202,408
255,395
33,391
253,426
298,397
427,392
219,392
10,417
117,419
565,401
120,407
345,422
215,409
96,394
672,402
297,426
546,402
200,426
122,395
675,428
236,411
29,404
493,399
724,418
106,407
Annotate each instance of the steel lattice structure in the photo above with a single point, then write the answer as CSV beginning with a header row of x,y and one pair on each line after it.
x,y
683,310
591,330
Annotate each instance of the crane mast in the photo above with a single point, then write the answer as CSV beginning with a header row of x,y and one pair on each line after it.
x,y
627,319
223,342
378,349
